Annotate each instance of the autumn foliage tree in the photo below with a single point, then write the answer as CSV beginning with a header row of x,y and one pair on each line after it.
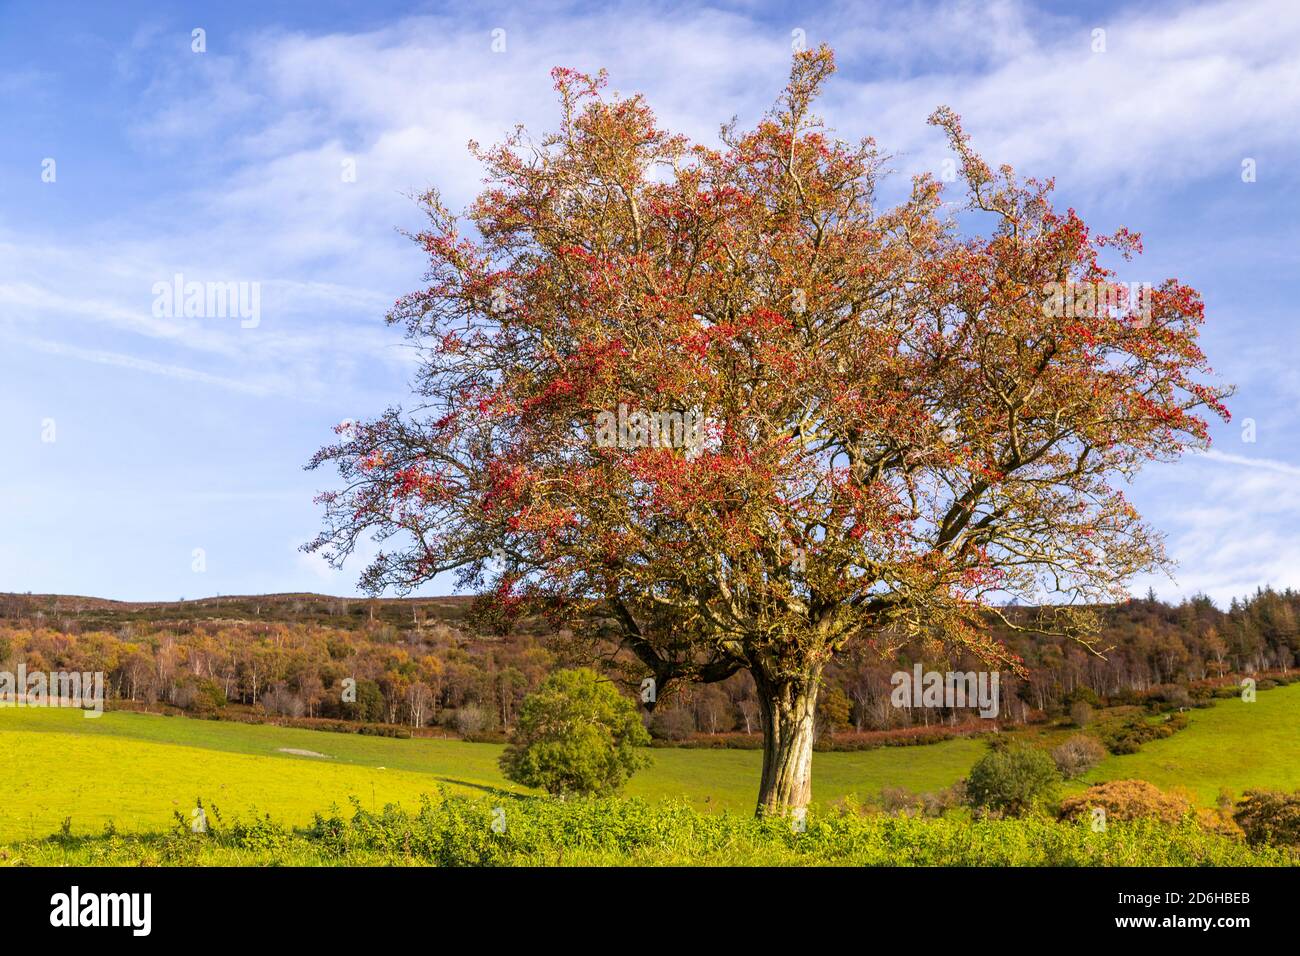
x,y
891,422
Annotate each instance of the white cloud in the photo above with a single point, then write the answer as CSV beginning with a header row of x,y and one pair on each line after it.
x,y
1231,521
1178,93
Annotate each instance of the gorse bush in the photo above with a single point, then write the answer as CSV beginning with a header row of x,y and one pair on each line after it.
x,y
1269,817
1127,800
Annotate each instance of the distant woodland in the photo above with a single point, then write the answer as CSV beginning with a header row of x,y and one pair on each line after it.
x,y
429,666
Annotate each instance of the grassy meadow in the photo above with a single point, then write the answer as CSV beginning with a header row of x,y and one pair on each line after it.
x,y
1232,745
137,771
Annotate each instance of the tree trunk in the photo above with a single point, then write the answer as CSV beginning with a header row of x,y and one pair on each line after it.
x,y
788,708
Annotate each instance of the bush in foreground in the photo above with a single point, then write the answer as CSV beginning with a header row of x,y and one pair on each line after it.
x,y
1140,800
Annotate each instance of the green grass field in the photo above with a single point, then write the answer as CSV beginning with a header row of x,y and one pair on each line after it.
x,y
138,770
1232,745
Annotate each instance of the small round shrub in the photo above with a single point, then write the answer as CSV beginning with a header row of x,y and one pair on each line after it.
x,y
576,735
899,800
1081,713
1086,695
1269,817
1012,780
1078,755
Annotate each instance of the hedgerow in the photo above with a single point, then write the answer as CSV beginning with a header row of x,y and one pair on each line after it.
x,y
532,831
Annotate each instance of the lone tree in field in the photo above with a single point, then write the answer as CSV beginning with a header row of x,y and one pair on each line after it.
x,y
712,404
576,735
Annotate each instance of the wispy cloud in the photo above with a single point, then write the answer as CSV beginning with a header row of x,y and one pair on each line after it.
x,y
1176,94
138,364
1264,464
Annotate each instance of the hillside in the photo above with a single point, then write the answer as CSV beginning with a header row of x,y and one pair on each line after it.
x,y
92,613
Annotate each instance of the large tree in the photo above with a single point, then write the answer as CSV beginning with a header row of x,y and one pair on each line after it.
x,y
902,419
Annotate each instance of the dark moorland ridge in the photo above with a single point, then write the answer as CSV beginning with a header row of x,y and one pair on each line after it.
x,y
422,662
297,607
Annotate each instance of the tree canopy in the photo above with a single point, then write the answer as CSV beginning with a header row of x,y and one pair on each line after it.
x,y
883,421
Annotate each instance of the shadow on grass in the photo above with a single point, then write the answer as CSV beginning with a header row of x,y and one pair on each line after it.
x,y
483,787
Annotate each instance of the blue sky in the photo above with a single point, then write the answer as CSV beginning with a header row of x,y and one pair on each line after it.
x,y
171,434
